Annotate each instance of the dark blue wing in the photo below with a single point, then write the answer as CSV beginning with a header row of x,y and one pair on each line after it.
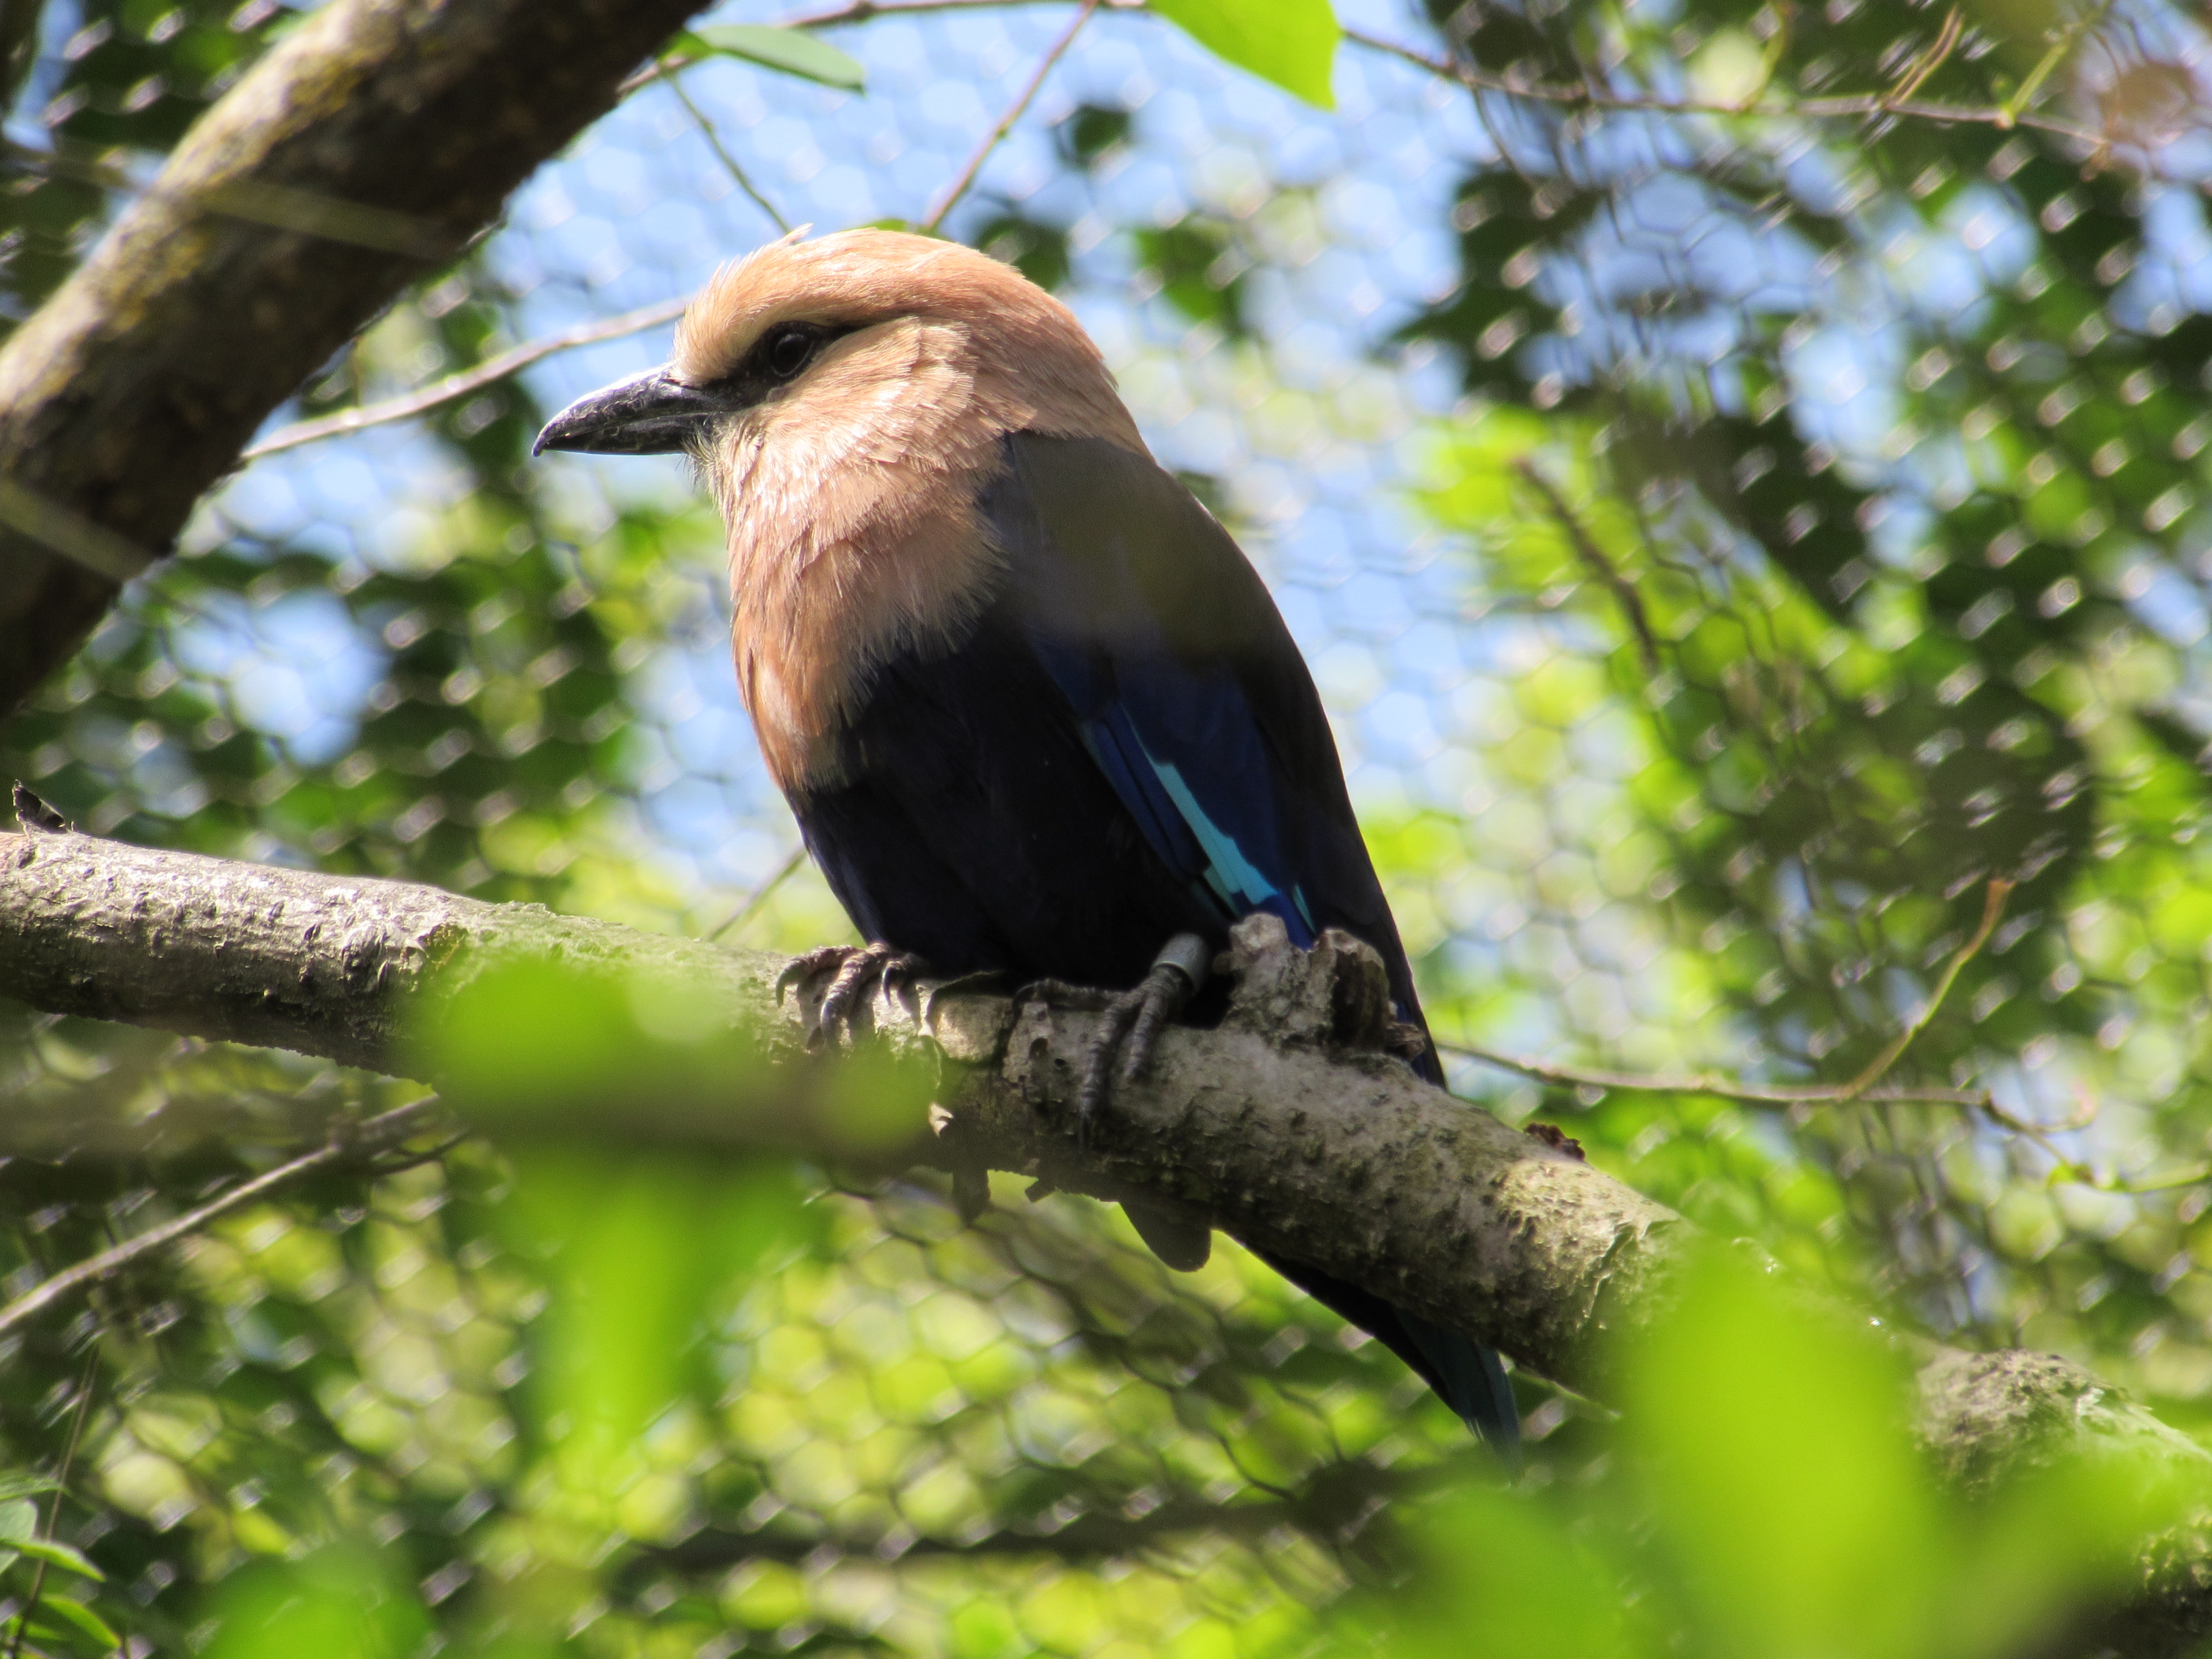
x,y
1186,689
1189,692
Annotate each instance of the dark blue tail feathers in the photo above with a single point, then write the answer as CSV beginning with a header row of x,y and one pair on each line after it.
x,y
1472,1379
1469,1377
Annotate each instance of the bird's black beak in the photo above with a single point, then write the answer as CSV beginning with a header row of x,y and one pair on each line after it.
x,y
649,414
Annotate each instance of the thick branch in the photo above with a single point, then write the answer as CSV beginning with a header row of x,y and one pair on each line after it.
x,y
1345,1161
363,151
1280,1127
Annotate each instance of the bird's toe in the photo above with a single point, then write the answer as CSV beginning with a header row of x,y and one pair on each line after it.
x,y
858,971
803,968
1059,993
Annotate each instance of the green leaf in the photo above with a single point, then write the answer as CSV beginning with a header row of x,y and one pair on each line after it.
x,y
791,50
62,1555
19,1520
22,1485
1290,42
82,1617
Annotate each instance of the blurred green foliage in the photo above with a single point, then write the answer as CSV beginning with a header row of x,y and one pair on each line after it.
x,y
1771,1503
1753,682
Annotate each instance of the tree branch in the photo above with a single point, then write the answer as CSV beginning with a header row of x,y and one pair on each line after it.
x,y
1286,1126
364,1142
363,151
463,382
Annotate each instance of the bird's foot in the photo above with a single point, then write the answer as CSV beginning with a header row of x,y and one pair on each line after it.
x,y
1134,1018
858,969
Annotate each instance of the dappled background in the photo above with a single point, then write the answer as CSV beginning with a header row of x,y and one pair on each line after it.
x,y
1727,542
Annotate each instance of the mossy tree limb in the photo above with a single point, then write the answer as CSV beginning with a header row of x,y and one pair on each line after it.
x,y
361,153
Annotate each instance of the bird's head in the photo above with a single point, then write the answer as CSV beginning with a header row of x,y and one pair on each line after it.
x,y
854,346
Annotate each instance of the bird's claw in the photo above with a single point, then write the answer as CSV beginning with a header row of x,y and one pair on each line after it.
x,y
1131,1028
1134,1018
857,968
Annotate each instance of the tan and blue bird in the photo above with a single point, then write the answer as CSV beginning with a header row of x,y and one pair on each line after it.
x,y
1035,712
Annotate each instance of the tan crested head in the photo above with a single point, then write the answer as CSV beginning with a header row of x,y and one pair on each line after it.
x,y
847,400
1033,367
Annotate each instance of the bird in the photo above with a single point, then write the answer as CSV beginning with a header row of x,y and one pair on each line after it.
x,y
1035,713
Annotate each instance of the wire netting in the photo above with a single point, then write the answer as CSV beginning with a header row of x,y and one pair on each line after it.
x,y
1728,536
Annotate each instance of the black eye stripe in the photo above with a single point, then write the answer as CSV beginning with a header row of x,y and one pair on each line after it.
x,y
776,359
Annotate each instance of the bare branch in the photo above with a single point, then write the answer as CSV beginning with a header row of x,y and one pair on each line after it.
x,y
860,11
1334,1504
1710,1083
738,175
1280,1127
1867,1088
760,895
1993,904
1593,556
1015,111
1865,106
361,1141
78,1413
467,382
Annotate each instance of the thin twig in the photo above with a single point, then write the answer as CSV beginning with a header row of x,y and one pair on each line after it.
x,y
77,1415
729,161
1931,60
1014,112
1759,1094
2051,59
368,1138
281,206
1861,106
63,530
460,384
858,12
1705,1083
1993,904
1865,1089
1860,1089
760,895
1591,555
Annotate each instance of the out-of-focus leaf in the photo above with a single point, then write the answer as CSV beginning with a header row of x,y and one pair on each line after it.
x,y
86,1621
19,1520
1798,1519
638,1248
61,1554
22,1485
794,51
1291,43
1508,1566
534,1047
340,1604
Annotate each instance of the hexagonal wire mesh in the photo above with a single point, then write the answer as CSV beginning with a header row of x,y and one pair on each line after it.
x,y
1851,557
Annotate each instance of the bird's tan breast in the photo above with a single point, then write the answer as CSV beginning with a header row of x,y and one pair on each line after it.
x,y
854,537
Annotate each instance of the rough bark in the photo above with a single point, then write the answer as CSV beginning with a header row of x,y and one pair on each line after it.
x,y
362,152
1285,1127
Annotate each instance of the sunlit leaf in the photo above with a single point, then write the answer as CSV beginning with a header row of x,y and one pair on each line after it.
x,y
1799,1519
642,1251
61,1554
794,52
1291,43
341,1603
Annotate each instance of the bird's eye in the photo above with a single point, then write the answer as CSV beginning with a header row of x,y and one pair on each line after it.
x,y
788,352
